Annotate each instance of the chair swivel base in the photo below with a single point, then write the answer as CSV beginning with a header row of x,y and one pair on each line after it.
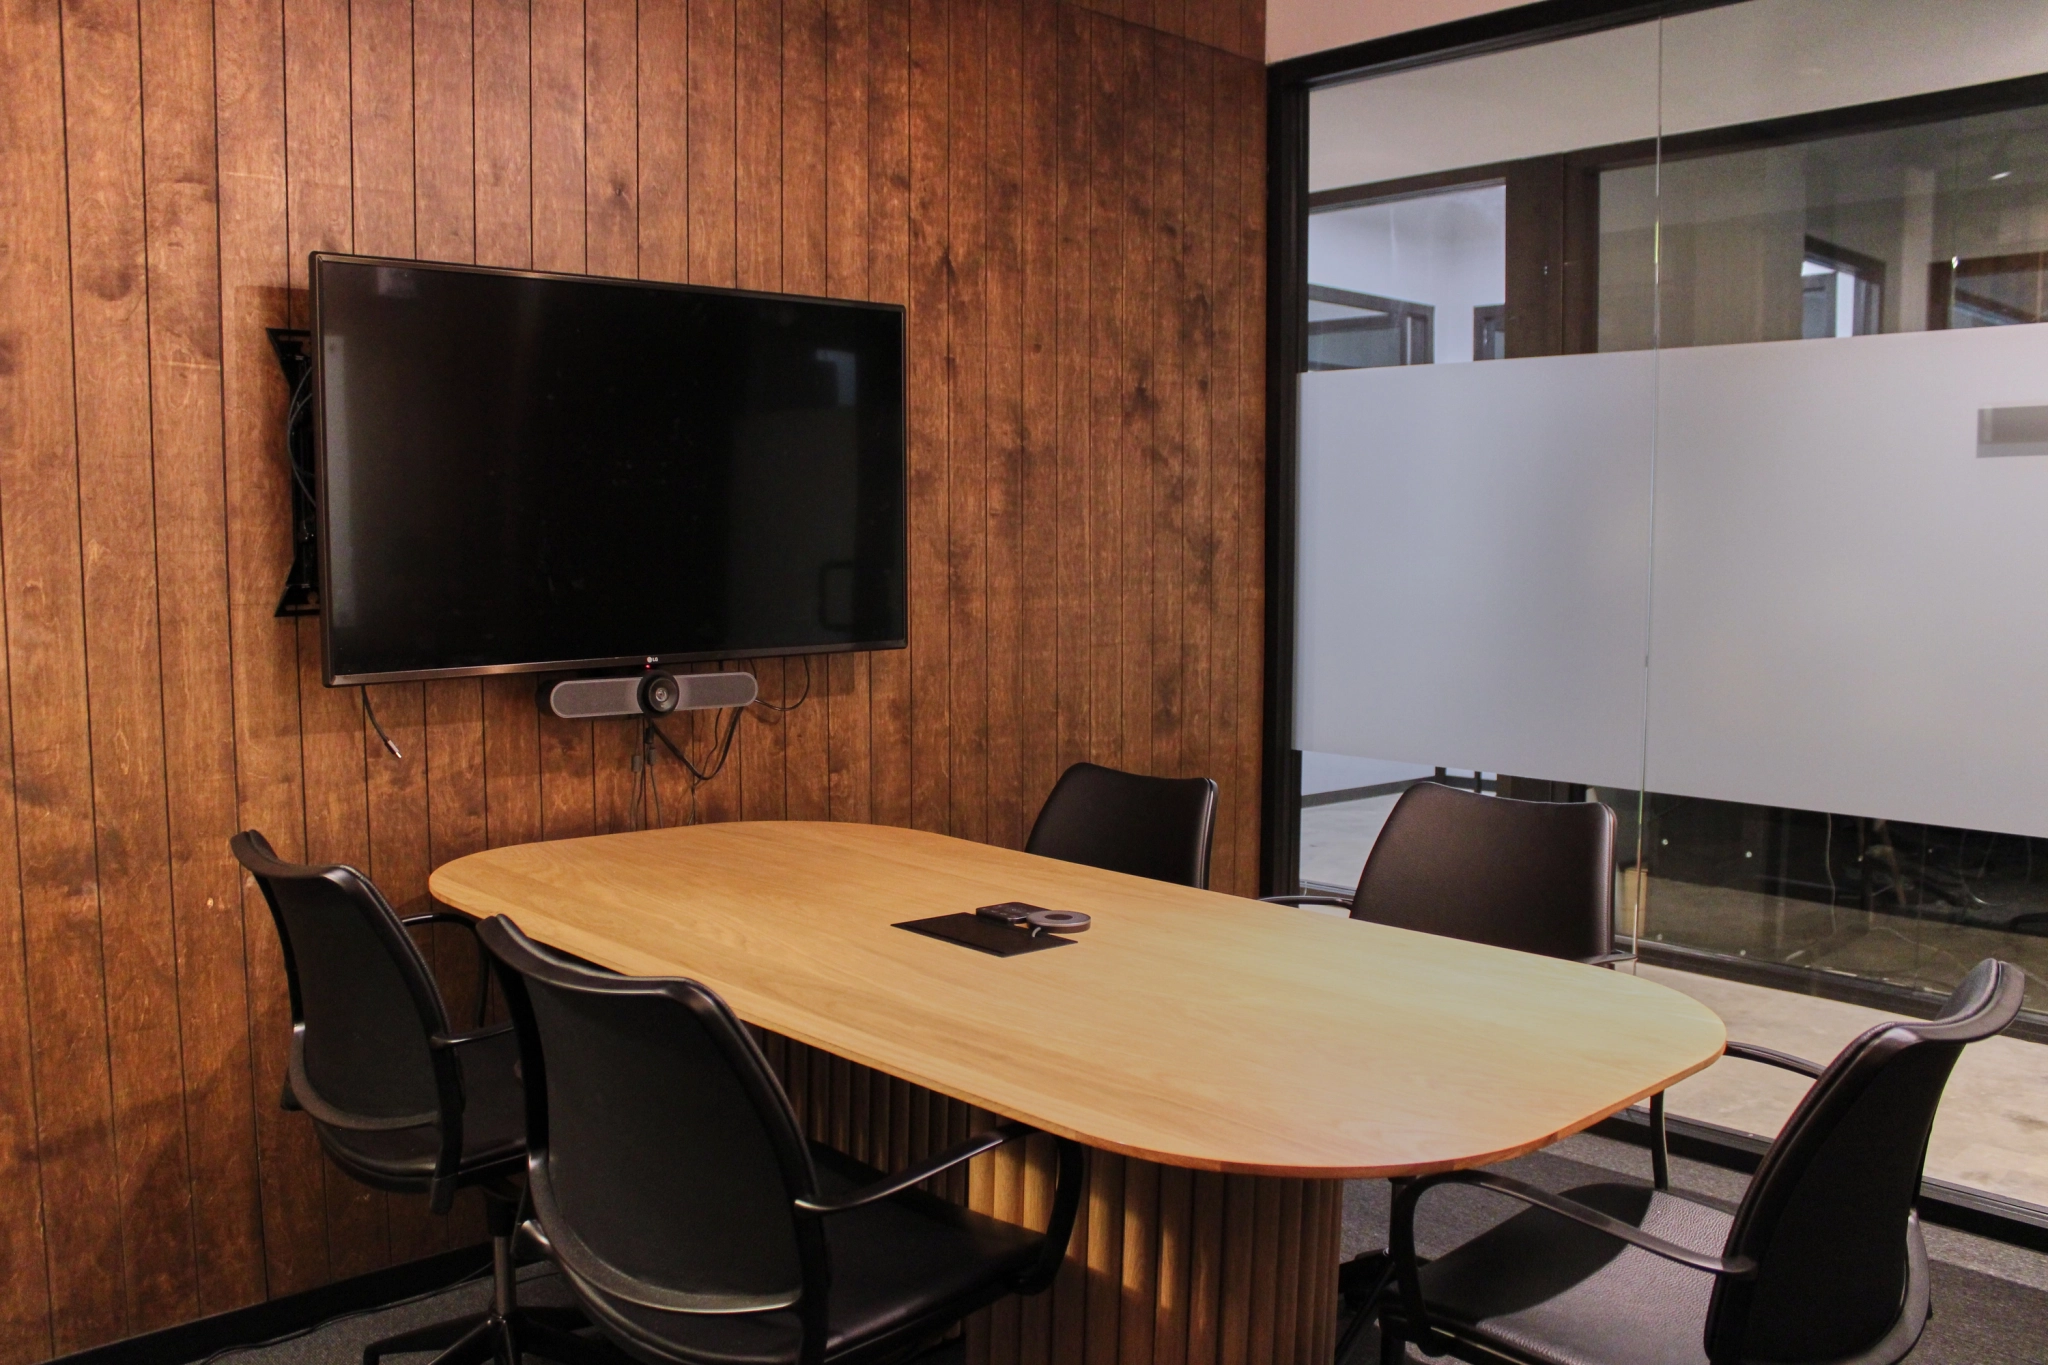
x,y
545,1333
507,1331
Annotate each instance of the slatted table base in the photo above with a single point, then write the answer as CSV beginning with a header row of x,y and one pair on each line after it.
x,y
1167,1266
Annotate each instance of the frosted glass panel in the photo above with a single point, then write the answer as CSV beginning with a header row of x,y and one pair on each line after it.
x,y
1851,604
1474,544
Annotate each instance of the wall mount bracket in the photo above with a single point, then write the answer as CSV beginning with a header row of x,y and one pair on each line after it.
x,y
293,348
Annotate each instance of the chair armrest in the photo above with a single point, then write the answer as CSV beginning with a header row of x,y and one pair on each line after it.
x,y
483,960
1750,1052
1342,902
442,917
924,1170
473,1036
1407,1271
1607,959
1733,1267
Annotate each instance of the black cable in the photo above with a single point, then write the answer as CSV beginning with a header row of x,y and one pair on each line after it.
x,y
721,750
644,781
669,744
803,697
371,712
732,727
302,397
654,786
638,765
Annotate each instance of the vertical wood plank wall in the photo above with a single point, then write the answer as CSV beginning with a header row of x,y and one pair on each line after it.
x,y
1069,200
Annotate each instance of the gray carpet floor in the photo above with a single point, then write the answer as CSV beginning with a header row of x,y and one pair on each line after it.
x,y
1990,1299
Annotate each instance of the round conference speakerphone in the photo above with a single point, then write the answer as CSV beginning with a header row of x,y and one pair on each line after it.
x,y
1035,919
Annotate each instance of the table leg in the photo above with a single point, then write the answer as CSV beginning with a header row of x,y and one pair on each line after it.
x,y
1167,1266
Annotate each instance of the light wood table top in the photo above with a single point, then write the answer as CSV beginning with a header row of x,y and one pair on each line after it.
x,y
1185,1027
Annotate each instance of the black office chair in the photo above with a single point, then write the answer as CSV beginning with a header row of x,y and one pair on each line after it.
x,y
1537,876
1822,1260
400,1100
1532,875
1157,827
674,1188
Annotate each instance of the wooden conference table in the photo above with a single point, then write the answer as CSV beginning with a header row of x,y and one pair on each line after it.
x,y
1230,1063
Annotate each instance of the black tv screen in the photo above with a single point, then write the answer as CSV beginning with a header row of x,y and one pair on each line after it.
x,y
526,472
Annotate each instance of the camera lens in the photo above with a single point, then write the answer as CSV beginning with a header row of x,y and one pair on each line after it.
x,y
659,695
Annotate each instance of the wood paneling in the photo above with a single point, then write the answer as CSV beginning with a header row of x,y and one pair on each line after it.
x,y
1067,198
1239,29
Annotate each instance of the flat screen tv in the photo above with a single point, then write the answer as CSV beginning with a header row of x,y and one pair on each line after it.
x,y
521,472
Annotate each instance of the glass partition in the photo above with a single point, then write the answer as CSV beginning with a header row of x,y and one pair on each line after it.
x,y
1844,714
1741,534
1473,539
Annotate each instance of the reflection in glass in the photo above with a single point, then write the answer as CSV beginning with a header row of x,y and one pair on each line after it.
x,y
1989,291
1352,331
1901,902
1413,279
1941,224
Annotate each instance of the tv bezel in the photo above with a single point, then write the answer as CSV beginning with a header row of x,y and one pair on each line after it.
x,y
332,679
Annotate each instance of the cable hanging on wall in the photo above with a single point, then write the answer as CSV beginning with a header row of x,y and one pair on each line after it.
x,y
647,789
376,724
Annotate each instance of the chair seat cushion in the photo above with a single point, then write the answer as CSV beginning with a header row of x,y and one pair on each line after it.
x,y
1558,1292
904,1263
493,1124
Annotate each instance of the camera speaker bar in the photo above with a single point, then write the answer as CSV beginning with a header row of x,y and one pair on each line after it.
x,y
647,694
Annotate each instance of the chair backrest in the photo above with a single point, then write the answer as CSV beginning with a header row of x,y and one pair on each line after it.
x,y
363,1000
1157,827
662,1155
1532,875
1825,1216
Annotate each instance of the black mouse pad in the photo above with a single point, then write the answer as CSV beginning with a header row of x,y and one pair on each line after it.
x,y
972,931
